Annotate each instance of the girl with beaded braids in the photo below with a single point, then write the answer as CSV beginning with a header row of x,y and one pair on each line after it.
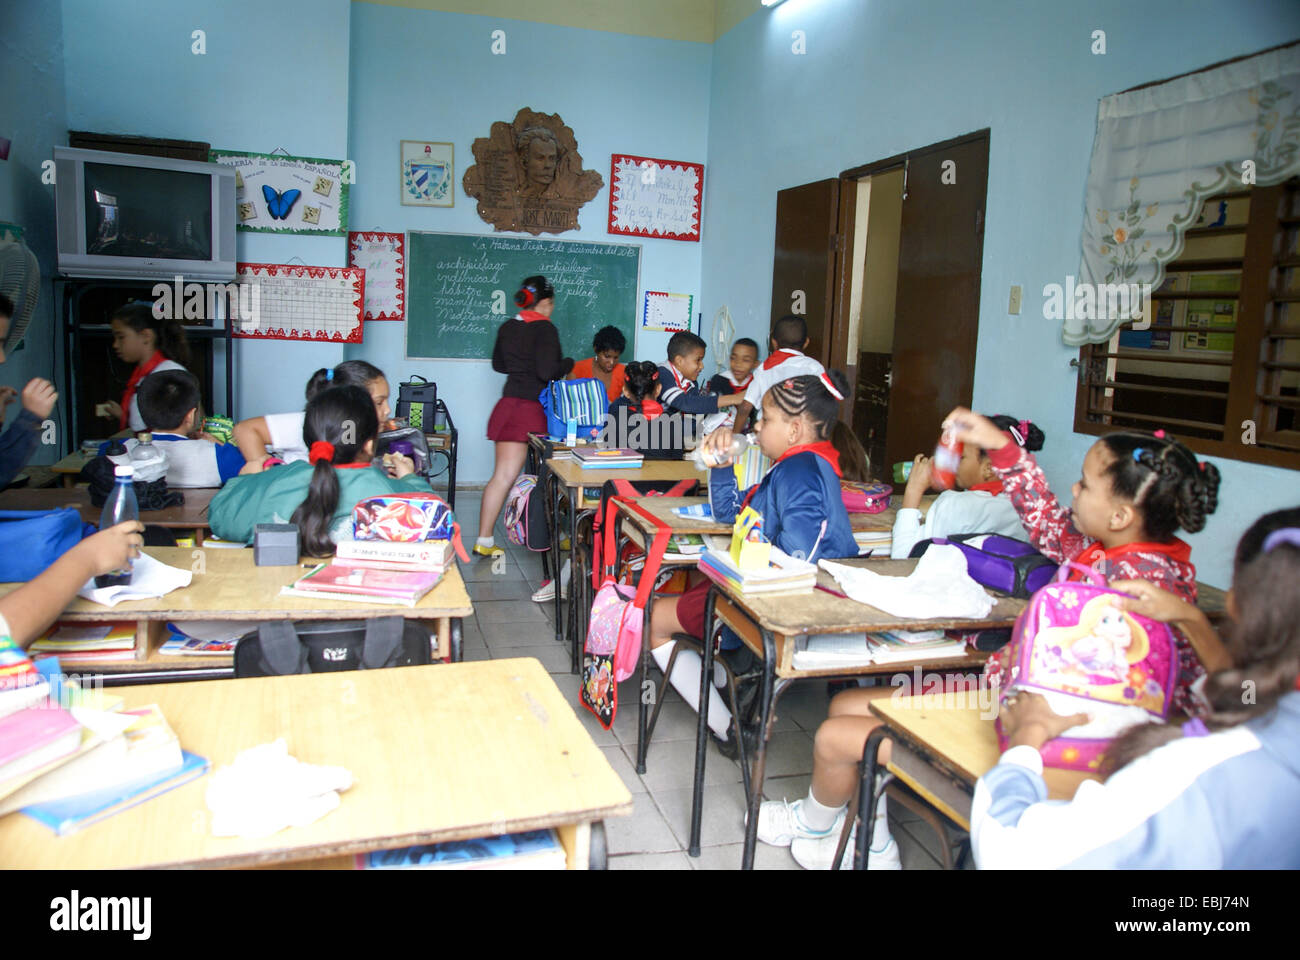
x,y
1135,492
800,502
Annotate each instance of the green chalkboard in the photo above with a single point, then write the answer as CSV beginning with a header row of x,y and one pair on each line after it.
x,y
452,279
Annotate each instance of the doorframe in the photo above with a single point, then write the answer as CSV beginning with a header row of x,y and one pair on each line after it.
x,y
841,289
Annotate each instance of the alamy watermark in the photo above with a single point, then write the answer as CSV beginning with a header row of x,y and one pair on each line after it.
x,y
235,301
664,432
1098,301
945,691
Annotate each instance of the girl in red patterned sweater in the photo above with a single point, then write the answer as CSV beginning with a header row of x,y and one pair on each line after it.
x,y
1135,492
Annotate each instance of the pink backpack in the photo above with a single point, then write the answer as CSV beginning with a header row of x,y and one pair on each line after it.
x,y
516,512
869,497
613,647
1075,646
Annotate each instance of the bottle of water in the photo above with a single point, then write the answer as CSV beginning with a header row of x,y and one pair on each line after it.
x,y
120,507
740,442
147,460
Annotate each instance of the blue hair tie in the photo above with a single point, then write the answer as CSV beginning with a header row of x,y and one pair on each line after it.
x,y
1287,535
1137,454
329,374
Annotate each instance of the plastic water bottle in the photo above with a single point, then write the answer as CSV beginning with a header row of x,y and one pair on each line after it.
x,y
740,442
147,460
947,456
571,432
120,507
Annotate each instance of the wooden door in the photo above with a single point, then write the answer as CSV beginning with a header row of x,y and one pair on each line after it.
x,y
805,259
936,319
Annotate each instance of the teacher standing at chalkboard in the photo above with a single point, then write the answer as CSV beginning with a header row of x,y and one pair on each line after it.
x,y
528,352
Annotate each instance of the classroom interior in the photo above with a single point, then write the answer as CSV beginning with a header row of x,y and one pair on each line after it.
x,y
801,112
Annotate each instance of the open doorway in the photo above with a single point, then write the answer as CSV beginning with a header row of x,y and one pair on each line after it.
x,y
887,259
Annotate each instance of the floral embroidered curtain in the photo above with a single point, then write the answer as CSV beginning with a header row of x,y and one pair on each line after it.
x,y
1158,153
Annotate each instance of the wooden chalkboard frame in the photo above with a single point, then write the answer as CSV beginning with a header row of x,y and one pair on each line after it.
x,y
630,327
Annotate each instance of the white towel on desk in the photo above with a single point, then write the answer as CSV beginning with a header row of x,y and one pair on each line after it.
x,y
938,587
266,790
150,578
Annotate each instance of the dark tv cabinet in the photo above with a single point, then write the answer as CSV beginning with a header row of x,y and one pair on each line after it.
x,y
93,373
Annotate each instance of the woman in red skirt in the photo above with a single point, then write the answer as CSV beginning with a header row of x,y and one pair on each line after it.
x,y
528,352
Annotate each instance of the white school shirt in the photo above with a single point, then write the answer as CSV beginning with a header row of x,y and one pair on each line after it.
x,y
781,365
286,435
194,463
956,511
134,420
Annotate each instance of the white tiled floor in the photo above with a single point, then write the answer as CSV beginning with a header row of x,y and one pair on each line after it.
x,y
506,623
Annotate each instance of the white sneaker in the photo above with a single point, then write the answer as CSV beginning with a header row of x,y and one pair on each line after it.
x,y
546,592
779,823
819,853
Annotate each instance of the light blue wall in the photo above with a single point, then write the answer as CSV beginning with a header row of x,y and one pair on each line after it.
x,y
275,74
882,77
32,112
420,75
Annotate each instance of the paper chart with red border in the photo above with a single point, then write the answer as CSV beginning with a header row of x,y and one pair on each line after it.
x,y
293,302
650,197
383,257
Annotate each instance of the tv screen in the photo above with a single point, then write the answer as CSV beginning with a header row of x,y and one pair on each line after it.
x,y
139,212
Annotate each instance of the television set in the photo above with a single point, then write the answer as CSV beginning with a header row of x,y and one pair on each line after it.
x,y
123,215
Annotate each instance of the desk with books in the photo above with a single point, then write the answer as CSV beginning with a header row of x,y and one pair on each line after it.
x,y
190,517
570,481
941,744
436,754
227,585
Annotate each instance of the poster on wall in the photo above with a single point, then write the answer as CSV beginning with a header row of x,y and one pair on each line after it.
x,y
649,197
428,174
670,312
383,257
277,193
293,302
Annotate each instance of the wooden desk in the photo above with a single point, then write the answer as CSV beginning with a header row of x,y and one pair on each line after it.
x,y
941,744
230,587
436,753
661,508
70,466
770,626
569,479
192,515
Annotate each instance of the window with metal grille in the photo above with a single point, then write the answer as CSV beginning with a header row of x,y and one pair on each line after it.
x,y
1216,358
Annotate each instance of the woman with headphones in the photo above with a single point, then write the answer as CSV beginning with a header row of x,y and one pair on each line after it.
x,y
528,352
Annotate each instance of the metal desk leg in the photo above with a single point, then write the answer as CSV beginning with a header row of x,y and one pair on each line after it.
x,y
767,698
553,498
575,494
451,470
643,709
457,640
599,856
867,798
702,724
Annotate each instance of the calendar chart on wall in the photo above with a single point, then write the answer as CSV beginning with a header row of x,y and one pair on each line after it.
x,y
289,302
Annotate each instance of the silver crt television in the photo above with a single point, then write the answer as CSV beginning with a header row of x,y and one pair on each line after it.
x,y
122,215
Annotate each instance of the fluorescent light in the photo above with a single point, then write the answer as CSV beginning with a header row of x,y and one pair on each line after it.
x,y
770,3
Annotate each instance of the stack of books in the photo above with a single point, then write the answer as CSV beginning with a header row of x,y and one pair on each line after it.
x,y
205,638
432,556
685,546
607,458
783,576
873,543
347,581
76,643
832,650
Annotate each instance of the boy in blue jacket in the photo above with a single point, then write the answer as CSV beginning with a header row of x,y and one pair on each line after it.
x,y
677,378
18,443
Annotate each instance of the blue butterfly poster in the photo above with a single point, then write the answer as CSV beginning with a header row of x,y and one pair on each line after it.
x,y
277,193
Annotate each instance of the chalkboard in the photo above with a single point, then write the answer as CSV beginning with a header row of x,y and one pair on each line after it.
x,y
452,278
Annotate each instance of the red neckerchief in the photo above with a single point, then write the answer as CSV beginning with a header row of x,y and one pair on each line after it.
x,y
737,387
1175,549
823,449
531,316
650,408
779,357
360,465
990,486
683,385
139,373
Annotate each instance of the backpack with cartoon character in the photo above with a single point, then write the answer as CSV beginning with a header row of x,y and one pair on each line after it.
x,y
1074,645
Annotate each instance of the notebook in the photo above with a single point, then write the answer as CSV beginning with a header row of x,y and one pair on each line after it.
x,y
33,736
340,581
21,684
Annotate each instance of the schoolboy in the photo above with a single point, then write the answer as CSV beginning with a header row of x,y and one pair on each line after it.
x,y
169,405
677,378
789,339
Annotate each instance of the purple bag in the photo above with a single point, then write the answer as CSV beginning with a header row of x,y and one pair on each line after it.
x,y
1002,563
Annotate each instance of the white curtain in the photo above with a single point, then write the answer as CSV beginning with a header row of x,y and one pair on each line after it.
x,y
1161,150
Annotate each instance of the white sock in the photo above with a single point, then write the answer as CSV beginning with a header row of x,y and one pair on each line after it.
x,y
488,542
686,681
818,816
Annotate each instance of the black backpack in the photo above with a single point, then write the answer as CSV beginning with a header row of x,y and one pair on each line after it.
x,y
282,648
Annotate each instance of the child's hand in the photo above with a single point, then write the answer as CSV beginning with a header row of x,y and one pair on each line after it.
x,y
730,400
110,409
1027,720
1150,601
398,465
39,397
7,396
204,435
918,481
114,548
717,447
970,427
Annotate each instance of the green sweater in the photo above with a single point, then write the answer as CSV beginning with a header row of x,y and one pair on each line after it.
x,y
273,495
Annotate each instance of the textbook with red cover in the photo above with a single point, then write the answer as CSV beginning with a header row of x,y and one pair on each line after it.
x,y
34,736
343,581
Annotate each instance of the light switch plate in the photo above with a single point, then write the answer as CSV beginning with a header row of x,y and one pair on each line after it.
x,y
1013,307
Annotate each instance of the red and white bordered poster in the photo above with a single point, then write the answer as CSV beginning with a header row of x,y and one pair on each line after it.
x,y
383,257
290,302
655,198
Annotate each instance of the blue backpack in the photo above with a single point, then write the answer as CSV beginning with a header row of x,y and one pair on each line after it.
x,y
31,540
583,400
